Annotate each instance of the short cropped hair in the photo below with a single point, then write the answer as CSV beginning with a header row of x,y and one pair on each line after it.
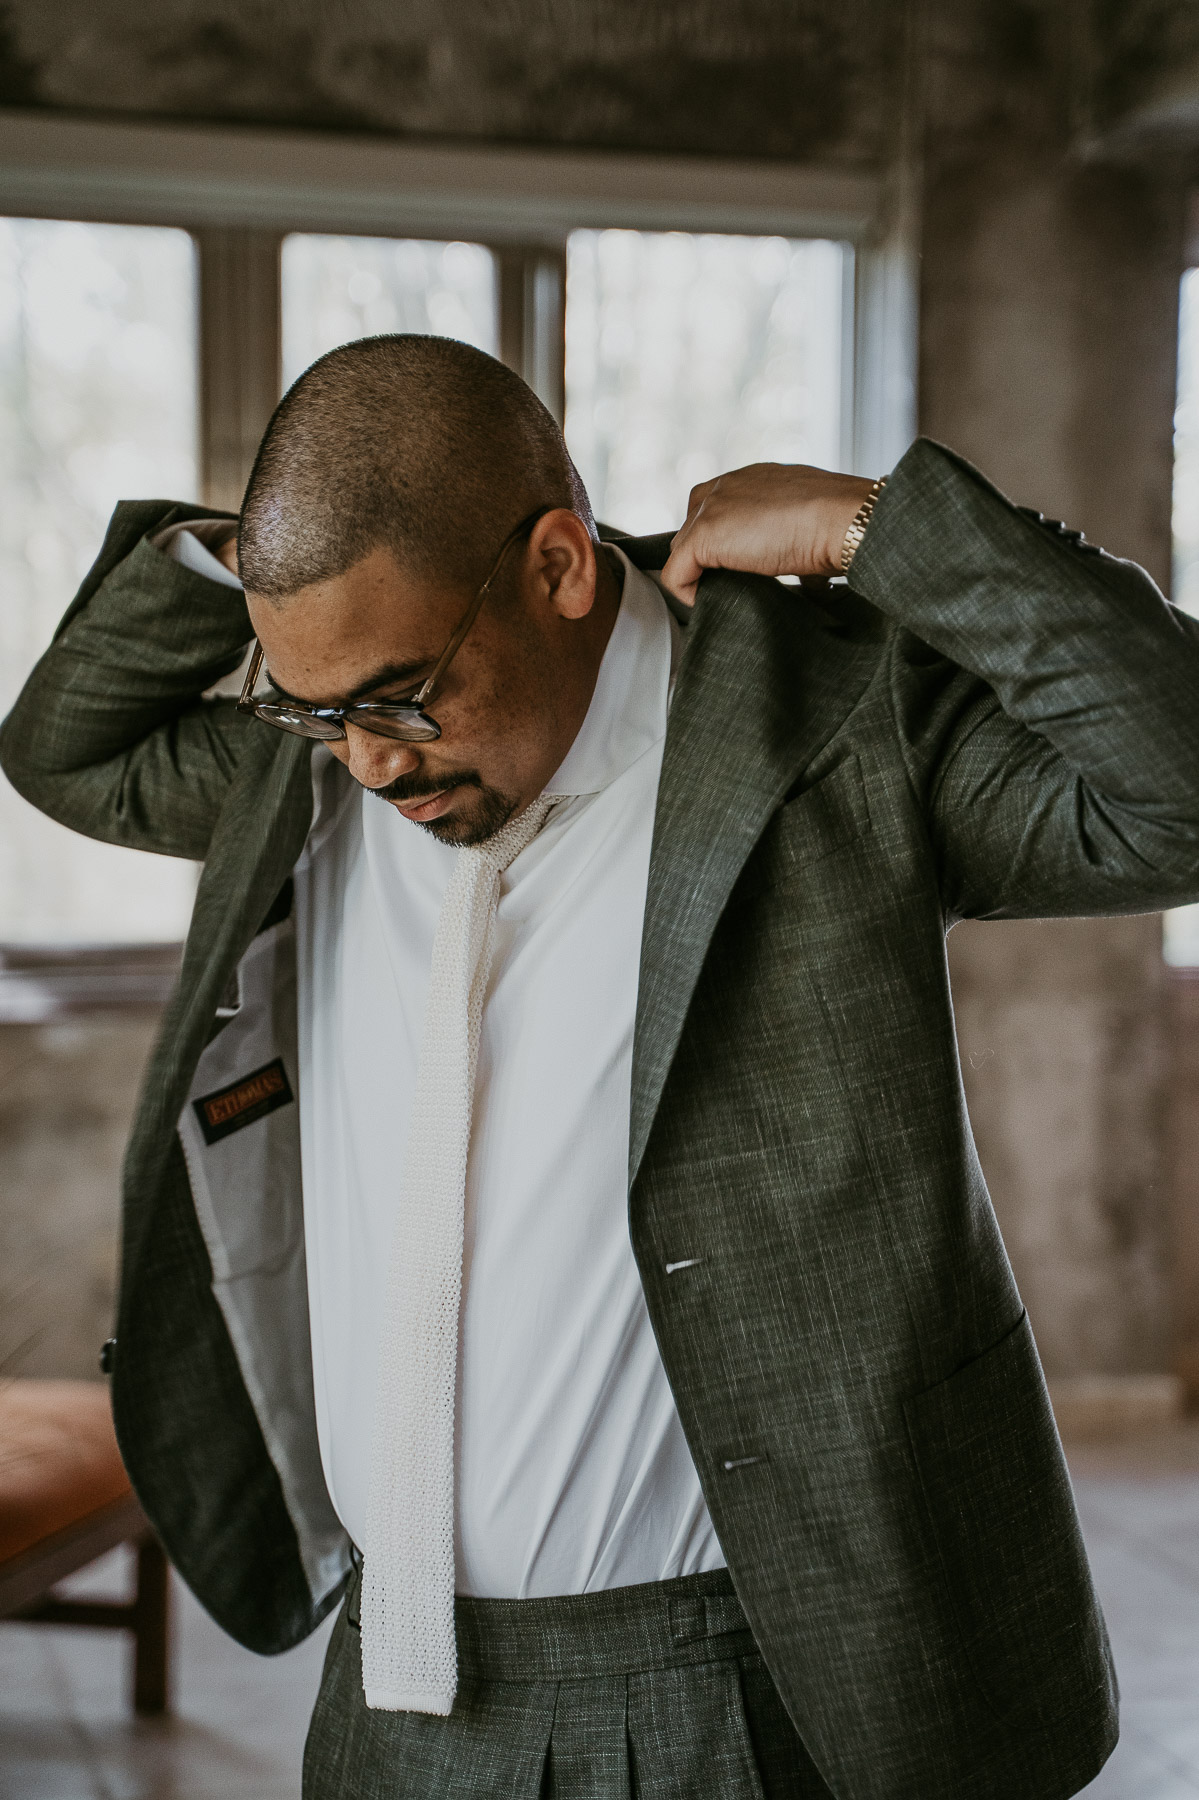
x,y
420,444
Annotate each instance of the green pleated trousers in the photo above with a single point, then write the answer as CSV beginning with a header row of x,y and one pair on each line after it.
x,y
655,1692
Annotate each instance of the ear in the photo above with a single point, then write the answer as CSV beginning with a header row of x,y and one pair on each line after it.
x,y
562,556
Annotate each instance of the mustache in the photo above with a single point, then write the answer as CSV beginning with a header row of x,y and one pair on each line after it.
x,y
409,788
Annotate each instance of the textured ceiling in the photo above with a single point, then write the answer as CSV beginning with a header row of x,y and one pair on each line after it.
x,y
807,79
734,77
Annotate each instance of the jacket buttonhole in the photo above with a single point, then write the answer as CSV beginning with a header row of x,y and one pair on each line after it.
x,y
687,1262
743,1462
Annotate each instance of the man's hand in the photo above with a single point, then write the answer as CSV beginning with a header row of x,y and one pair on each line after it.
x,y
770,519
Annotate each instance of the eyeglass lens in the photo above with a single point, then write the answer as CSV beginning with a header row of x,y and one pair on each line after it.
x,y
303,724
409,725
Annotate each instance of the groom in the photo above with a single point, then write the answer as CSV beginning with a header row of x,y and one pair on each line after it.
x,y
552,1207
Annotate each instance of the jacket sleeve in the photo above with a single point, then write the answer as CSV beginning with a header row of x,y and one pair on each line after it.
x,y
1047,699
110,735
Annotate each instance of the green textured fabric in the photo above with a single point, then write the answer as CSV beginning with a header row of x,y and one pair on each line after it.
x,y
998,721
657,1691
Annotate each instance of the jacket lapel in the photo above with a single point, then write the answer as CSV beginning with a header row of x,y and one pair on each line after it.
x,y
263,827
766,679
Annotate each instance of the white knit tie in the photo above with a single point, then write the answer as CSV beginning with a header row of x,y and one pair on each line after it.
x,y
409,1656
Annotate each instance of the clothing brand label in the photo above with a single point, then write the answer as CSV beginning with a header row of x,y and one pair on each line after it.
x,y
244,1101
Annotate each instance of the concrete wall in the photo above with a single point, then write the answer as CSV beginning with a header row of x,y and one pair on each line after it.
x,y
1182,1171
731,77
66,1099
1060,1025
1049,306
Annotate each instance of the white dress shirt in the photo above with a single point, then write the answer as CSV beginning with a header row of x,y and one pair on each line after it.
x,y
572,1472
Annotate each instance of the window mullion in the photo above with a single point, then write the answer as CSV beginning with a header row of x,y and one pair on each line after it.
x,y
240,354
532,306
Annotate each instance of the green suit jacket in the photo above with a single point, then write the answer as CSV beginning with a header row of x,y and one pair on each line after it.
x,y
998,722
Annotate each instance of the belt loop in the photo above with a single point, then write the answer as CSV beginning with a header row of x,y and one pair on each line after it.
x,y
687,1619
723,1612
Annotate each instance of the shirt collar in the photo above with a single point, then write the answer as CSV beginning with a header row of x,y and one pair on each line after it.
x,y
627,715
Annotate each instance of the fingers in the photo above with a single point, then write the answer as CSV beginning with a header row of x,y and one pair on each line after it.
x,y
683,569
687,560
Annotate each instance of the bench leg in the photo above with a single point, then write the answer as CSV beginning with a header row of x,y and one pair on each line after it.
x,y
152,1629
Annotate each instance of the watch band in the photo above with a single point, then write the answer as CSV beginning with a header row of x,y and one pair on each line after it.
x,y
861,519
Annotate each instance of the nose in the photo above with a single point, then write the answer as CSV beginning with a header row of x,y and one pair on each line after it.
x,y
375,760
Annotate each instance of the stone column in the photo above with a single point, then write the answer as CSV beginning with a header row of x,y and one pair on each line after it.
x,y
1048,328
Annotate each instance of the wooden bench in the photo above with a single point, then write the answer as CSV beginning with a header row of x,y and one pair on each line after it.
x,y
65,1499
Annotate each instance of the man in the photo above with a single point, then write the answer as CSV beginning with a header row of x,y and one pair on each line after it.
x,y
753,1488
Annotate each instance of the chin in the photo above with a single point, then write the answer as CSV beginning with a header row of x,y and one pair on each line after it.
x,y
474,824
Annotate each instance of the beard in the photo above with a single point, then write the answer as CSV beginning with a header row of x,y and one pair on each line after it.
x,y
481,810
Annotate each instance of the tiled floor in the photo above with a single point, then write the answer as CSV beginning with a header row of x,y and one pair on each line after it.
x,y
1140,1513
66,1731
238,1729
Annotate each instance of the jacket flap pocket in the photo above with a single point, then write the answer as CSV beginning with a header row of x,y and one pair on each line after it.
x,y
1001,1511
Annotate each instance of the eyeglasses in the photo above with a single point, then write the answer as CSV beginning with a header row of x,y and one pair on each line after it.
x,y
404,719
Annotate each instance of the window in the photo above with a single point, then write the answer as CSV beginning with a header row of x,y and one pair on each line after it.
x,y
689,354
339,288
1181,925
98,394
1186,449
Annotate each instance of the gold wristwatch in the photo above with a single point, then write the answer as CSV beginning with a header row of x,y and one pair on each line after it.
x,y
861,519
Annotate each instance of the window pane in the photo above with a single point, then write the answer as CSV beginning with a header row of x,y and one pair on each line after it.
x,y
1181,925
687,355
339,288
98,398
1180,938
1186,449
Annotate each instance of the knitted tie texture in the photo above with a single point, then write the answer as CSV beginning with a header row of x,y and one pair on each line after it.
x,y
409,1656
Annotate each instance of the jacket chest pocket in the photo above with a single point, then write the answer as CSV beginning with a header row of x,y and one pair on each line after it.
x,y
829,816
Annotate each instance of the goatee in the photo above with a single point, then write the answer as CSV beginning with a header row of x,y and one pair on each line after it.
x,y
486,812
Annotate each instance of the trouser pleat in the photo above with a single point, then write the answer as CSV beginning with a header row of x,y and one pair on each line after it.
x,y
588,1755
688,1736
